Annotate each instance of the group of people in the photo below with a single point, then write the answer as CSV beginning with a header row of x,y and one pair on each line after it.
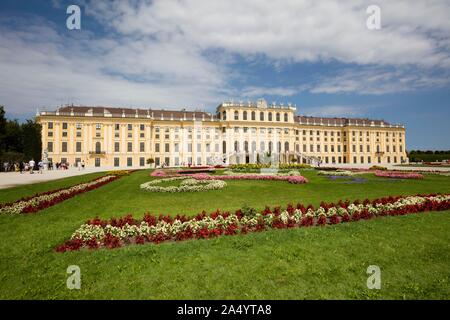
x,y
21,166
33,166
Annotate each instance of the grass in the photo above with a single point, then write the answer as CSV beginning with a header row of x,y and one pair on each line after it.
x,y
412,251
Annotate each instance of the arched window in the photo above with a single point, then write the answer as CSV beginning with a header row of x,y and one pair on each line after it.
x,y
98,147
278,116
285,117
262,146
224,115
236,146
253,146
236,115
224,147
270,146
253,115
246,146
286,146
261,116
244,116
270,116
279,147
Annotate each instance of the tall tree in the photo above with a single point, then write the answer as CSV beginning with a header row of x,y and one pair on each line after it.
x,y
32,146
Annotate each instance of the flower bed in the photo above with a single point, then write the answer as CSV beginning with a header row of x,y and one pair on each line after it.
x,y
398,175
47,199
114,233
186,185
291,176
338,173
290,179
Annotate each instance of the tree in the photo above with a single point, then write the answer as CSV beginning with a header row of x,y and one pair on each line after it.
x,y
32,146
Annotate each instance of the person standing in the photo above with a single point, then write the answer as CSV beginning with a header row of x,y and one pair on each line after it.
x,y
32,164
41,166
21,166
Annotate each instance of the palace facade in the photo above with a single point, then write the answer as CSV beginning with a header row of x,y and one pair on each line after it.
x,y
237,133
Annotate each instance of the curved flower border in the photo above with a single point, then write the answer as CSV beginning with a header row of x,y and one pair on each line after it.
x,y
50,198
114,233
187,185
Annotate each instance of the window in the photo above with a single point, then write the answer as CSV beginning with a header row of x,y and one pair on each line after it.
x,y
117,126
50,146
78,134
130,146
167,147
261,116
78,146
189,147
167,161
142,161
64,147
236,146
270,116
253,115
278,116
130,127
116,146
368,148
199,147
157,161
236,115
116,162
50,125
98,126
285,117
129,161
50,134
64,134
97,162
286,146
244,115
177,147
142,147
142,127
224,115
98,147
64,125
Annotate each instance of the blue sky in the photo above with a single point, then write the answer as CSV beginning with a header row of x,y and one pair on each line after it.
x,y
194,54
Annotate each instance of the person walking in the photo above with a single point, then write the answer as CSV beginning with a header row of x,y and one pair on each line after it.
x,y
40,166
21,166
32,164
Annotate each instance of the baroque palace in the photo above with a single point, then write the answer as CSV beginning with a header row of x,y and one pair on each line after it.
x,y
236,133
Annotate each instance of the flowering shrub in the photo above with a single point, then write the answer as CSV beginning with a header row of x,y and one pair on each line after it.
x,y
99,233
398,175
50,198
186,185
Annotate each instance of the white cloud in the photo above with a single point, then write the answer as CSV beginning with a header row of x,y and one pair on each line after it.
x,y
295,30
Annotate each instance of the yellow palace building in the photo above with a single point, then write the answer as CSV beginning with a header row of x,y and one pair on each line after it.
x,y
237,133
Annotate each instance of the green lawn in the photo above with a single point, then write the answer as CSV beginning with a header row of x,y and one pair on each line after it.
x,y
412,251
